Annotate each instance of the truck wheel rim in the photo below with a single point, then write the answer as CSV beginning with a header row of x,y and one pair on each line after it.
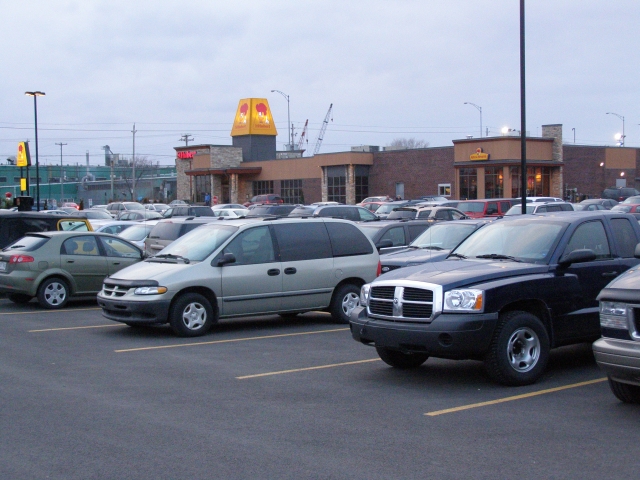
x,y
194,316
523,350
55,293
349,302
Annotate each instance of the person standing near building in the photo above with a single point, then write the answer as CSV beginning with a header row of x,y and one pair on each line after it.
x,y
207,199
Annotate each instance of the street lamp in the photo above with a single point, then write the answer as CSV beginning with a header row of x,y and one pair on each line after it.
x,y
619,138
480,110
35,95
288,118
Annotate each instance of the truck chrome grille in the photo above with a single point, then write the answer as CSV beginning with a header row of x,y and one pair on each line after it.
x,y
401,304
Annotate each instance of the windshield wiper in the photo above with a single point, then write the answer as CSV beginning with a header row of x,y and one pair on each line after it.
x,y
432,247
497,256
457,255
171,255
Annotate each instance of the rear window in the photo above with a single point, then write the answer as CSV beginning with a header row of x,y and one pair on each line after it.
x,y
165,231
471,207
347,240
28,243
301,211
303,241
402,213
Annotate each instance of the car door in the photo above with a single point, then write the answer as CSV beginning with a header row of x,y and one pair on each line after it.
x,y
582,316
253,283
81,257
119,254
307,265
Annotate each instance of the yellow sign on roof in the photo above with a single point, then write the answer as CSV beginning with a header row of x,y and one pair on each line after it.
x,y
23,158
253,117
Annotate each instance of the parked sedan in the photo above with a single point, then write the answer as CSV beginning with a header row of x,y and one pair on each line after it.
x,y
54,266
231,212
139,216
422,213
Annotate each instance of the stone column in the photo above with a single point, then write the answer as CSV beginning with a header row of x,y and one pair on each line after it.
x,y
351,185
325,192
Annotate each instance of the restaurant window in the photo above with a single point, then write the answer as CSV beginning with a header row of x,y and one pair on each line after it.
x,y
337,184
362,182
203,186
538,182
468,184
444,189
291,191
493,182
262,187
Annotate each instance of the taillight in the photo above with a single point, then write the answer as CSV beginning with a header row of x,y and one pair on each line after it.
x,y
21,259
379,271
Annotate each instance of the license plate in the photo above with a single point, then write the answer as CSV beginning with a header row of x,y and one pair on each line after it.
x,y
3,266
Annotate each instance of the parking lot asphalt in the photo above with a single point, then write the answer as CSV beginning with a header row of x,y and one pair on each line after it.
x,y
273,398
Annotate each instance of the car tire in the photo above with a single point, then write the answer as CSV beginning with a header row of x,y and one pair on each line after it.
x,y
191,315
53,293
19,298
345,299
519,350
624,392
401,360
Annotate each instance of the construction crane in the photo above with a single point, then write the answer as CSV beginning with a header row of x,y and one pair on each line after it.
x,y
304,134
322,130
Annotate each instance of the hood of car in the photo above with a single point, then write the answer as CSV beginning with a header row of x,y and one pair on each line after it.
x,y
413,255
150,270
454,273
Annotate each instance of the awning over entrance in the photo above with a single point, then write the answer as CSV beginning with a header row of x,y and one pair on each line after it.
x,y
224,171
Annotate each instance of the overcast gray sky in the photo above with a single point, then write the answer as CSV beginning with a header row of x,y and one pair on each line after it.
x,y
392,69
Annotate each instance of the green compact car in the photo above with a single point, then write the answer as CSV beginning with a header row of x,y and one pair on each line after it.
x,y
55,266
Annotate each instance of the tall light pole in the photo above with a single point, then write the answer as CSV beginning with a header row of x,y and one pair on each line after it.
x,y
620,140
35,95
480,110
133,166
288,118
61,175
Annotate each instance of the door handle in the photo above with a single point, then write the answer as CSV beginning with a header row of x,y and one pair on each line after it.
x,y
70,261
116,263
273,272
289,271
610,274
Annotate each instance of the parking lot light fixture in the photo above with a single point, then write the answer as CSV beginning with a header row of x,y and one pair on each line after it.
x,y
35,95
480,110
619,137
288,118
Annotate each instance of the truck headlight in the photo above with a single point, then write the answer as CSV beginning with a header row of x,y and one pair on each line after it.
x,y
614,315
150,290
364,295
464,300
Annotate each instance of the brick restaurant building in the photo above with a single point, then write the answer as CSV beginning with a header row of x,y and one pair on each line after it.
x,y
471,168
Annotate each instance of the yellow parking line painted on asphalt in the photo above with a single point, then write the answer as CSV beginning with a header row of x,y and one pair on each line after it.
x,y
74,328
231,340
51,311
515,397
307,368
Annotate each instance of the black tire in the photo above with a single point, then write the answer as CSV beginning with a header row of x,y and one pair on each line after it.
x,y
625,392
191,315
345,299
19,298
53,293
519,350
398,359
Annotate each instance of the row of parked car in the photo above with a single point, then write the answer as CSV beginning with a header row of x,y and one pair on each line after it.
x,y
504,291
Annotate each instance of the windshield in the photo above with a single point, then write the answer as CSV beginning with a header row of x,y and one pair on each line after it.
x,y
445,236
370,231
526,240
388,208
517,209
200,242
136,232
133,206
405,213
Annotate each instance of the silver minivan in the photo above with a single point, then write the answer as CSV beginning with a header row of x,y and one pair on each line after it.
x,y
241,267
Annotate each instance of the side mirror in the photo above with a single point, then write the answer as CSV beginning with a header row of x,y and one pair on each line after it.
x,y
226,259
384,244
578,256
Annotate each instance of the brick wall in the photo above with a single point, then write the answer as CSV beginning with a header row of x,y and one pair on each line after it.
x,y
421,170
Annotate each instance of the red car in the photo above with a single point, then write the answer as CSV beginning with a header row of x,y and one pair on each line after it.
x,y
626,208
265,199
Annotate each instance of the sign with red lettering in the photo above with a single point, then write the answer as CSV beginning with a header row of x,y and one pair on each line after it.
x,y
186,155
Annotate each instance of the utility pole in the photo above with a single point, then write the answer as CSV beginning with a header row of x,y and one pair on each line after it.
x,y
61,175
185,138
133,166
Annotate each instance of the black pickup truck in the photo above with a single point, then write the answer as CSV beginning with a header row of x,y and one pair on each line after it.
x,y
506,295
